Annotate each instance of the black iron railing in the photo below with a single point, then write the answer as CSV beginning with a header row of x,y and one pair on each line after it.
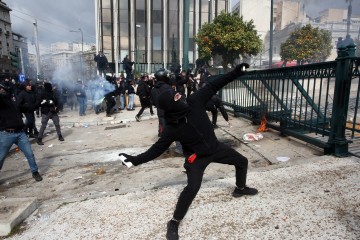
x,y
317,103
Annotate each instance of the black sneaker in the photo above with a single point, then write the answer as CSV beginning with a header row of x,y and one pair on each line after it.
x,y
39,141
246,191
37,177
61,138
172,230
137,118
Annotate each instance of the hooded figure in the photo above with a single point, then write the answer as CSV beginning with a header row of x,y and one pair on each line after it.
x,y
174,105
188,123
48,102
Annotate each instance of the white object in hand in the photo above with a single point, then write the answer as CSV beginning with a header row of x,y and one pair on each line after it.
x,y
51,102
243,68
43,101
123,158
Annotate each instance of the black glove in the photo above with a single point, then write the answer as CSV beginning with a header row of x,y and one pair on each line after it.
x,y
240,69
131,159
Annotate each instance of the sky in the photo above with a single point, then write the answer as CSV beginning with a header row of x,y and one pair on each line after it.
x,y
55,18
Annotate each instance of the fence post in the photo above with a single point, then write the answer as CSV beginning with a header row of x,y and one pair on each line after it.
x,y
337,140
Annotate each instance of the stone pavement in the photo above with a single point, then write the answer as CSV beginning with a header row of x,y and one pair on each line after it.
x,y
88,194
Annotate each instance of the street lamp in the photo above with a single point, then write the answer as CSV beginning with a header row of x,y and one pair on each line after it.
x,y
82,50
137,45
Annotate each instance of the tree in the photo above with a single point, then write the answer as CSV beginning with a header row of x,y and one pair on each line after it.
x,y
307,44
228,36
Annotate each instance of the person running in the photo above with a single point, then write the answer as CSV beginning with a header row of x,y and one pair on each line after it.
x,y
188,123
144,92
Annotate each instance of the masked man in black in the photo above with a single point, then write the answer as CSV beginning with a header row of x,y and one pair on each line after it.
x,y
12,131
188,123
49,110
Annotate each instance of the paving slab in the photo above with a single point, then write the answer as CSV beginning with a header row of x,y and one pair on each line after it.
x,y
13,211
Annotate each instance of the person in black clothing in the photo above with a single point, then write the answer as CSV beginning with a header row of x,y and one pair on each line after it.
x,y
49,110
101,62
181,80
162,77
213,105
187,122
127,66
26,101
144,93
12,131
191,84
110,103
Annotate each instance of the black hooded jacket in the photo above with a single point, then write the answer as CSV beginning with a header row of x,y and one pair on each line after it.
x,y
26,101
159,87
194,130
10,115
47,100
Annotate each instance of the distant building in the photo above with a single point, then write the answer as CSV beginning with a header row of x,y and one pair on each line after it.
x,y
150,32
8,66
288,12
256,10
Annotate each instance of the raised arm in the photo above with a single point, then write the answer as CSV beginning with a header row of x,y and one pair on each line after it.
x,y
205,93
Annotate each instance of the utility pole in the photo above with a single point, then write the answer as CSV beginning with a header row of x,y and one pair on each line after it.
x,y
82,51
21,61
37,50
271,33
186,36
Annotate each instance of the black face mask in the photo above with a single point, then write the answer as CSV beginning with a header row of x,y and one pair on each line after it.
x,y
175,111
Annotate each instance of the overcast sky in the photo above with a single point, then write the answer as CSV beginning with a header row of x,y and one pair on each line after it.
x,y
57,17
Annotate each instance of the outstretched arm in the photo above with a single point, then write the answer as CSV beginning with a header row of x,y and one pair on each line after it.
x,y
205,93
153,152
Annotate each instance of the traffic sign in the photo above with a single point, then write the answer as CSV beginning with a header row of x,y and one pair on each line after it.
x,y
21,77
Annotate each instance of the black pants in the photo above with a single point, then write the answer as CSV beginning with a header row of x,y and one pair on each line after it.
x,y
110,104
145,103
44,121
195,171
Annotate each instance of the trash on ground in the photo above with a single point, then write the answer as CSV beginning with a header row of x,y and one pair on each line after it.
x,y
44,218
253,137
100,171
283,159
51,145
77,178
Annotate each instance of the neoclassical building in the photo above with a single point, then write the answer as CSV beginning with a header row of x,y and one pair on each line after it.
x,y
151,32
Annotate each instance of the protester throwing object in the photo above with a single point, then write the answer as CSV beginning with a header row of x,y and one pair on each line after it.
x,y
188,123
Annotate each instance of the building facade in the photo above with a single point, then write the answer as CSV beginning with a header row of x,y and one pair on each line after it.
x,y
8,65
256,10
150,31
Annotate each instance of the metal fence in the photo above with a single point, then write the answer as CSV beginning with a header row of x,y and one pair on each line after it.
x,y
317,103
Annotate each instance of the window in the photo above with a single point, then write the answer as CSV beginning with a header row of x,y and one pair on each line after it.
x,y
157,4
124,29
106,15
106,29
123,16
157,42
106,3
157,16
124,4
140,16
140,4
